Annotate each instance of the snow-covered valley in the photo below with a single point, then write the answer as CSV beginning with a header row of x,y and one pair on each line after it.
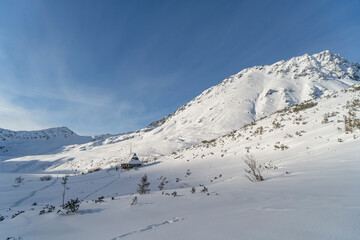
x,y
299,119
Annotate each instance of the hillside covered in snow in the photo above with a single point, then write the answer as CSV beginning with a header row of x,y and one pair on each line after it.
x,y
238,100
309,157
19,143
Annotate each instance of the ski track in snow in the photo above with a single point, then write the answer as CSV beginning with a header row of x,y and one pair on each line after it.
x,y
17,203
97,190
149,227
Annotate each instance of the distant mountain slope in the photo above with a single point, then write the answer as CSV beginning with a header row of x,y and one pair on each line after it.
x,y
238,100
19,143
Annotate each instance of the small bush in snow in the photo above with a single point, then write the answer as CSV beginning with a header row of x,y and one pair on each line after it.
x,y
99,200
204,190
193,190
304,105
14,238
188,173
351,122
17,214
72,206
134,200
259,131
326,119
47,209
255,169
282,147
174,193
19,180
45,178
2,218
276,124
162,184
143,185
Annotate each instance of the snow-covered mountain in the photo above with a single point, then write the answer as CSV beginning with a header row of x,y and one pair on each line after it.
x,y
257,92
308,152
15,143
311,170
240,99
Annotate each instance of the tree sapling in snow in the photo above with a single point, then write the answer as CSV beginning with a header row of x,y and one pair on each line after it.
x,y
143,185
63,182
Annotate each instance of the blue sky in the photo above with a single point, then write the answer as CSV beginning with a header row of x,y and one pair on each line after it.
x,y
115,66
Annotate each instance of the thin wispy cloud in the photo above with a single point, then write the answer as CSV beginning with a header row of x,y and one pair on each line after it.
x,y
18,118
116,66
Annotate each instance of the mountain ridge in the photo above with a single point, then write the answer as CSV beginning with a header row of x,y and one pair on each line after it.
x,y
324,56
43,141
239,99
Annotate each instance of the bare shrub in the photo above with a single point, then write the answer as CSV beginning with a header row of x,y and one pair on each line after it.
x,y
255,169
162,184
134,200
19,180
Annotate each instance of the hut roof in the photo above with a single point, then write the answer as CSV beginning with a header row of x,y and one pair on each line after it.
x,y
133,159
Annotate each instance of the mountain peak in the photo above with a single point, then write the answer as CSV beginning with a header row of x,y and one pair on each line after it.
x,y
259,91
325,52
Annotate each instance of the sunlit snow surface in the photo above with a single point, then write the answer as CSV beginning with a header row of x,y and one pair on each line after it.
x,y
311,189
312,180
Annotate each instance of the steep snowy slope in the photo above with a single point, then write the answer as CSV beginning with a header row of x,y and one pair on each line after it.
x,y
259,91
238,100
310,153
20,143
